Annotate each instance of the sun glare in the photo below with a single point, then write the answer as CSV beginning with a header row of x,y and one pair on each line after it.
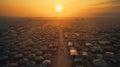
x,y
59,8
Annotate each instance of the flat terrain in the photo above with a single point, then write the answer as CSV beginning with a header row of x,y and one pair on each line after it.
x,y
42,43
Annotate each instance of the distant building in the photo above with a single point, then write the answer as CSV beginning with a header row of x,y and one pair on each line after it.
x,y
73,52
100,63
96,49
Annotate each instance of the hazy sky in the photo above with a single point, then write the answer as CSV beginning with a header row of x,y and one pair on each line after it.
x,y
46,8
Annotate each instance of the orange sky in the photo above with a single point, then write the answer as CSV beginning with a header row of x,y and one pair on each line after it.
x,y
46,8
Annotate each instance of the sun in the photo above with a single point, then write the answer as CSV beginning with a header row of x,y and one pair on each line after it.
x,y
59,8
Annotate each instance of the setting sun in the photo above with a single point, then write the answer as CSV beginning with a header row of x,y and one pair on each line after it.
x,y
59,8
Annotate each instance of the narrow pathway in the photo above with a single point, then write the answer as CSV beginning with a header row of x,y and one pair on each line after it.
x,y
63,58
